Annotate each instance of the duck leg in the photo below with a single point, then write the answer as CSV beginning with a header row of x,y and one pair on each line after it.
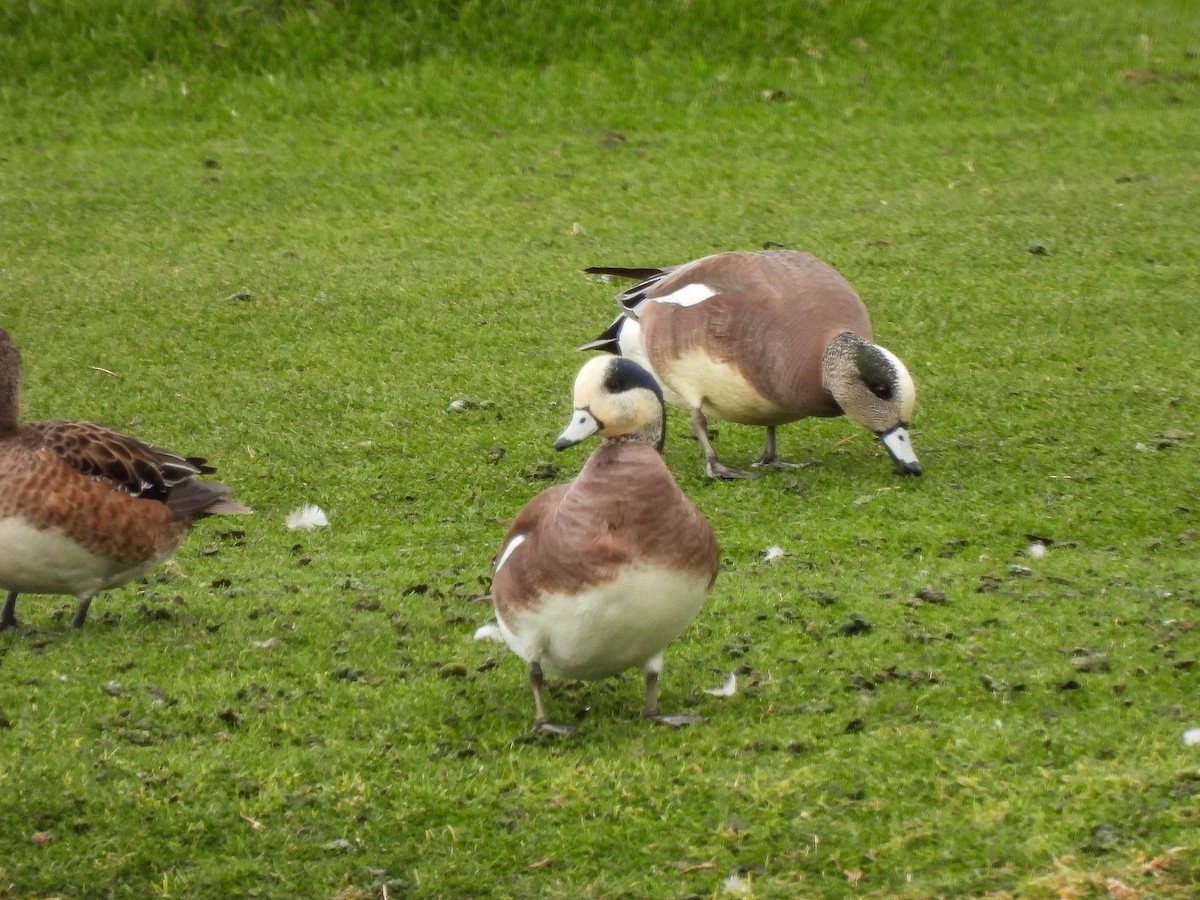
x,y
676,720
713,466
769,460
541,723
8,616
81,611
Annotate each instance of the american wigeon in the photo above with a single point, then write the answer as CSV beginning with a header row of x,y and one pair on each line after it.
x,y
598,575
84,508
762,339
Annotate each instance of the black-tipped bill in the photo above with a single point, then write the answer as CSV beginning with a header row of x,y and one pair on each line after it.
x,y
900,448
583,425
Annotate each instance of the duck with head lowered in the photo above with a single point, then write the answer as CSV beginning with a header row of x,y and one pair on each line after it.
x,y
84,508
762,338
600,574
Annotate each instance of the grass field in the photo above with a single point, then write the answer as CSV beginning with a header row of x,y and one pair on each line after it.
x,y
289,237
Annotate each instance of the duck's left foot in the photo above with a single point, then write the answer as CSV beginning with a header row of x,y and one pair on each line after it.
x,y
674,720
781,464
717,469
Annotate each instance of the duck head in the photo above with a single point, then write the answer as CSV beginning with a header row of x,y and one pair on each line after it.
x,y
617,399
873,387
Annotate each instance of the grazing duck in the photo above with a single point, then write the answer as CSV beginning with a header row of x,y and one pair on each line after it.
x,y
84,508
762,339
598,575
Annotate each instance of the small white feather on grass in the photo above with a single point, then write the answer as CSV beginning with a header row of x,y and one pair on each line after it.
x,y
736,885
306,518
772,553
1037,550
489,632
728,689
1191,737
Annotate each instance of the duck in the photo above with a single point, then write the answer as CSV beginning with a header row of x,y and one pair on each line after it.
x,y
598,575
84,508
761,338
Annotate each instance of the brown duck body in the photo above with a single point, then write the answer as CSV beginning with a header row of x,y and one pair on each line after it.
x,y
608,569
600,574
784,307
84,508
762,338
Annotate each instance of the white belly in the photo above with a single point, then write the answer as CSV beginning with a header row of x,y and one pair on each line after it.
x,y
48,562
609,629
718,389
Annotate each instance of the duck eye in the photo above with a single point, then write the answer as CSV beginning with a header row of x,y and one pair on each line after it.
x,y
882,390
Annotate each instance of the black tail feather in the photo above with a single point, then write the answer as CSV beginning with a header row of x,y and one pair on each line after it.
x,y
622,272
609,341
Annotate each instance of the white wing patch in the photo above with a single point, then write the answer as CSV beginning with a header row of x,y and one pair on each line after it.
x,y
688,295
512,545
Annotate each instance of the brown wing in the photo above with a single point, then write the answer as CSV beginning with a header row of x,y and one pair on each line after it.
x,y
99,452
771,316
622,507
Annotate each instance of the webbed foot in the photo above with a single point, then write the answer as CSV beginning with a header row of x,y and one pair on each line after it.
x,y
675,720
718,469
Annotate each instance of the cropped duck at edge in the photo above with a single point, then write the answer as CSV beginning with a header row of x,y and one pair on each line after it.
x,y
762,338
84,508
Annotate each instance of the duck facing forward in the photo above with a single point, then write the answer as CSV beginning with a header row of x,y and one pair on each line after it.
x,y
762,339
600,574
84,508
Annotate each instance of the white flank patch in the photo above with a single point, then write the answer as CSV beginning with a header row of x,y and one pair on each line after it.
x,y
512,545
718,389
629,342
728,689
489,632
306,518
772,553
1191,737
688,295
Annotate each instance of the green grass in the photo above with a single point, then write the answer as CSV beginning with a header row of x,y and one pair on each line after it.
x,y
408,199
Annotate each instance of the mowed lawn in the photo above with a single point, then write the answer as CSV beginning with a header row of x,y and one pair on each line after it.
x,y
339,252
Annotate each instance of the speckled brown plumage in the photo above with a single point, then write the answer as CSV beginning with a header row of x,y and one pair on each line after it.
x,y
115,505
